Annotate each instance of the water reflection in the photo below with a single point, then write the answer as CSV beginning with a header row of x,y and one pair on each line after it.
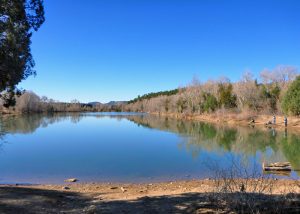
x,y
29,123
197,138
273,145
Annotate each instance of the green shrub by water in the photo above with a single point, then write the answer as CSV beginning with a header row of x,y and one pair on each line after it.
x,y
291,100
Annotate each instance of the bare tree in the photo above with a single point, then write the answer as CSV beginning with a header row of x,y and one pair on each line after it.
x,y
28,102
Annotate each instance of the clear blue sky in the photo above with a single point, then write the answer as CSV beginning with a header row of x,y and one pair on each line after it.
x,y
102,50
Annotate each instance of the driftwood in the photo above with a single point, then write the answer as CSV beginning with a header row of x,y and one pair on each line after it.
x,y
279,166
251,121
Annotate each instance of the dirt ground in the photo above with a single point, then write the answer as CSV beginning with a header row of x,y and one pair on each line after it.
x,y
194,196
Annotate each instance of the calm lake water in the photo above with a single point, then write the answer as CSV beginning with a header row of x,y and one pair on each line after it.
x,y
126,147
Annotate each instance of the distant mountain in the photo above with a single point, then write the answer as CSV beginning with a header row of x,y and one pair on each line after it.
x,y
111,103
94,103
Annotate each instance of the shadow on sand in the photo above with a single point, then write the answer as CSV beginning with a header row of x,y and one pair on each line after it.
x,y
14,199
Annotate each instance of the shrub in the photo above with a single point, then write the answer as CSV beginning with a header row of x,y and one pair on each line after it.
x,y
226,98
270,94
291,100
181,104
210,102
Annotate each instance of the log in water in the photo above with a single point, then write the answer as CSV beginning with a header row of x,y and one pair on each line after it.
x,y
278,166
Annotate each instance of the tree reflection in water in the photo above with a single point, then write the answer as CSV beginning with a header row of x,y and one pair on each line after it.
x,y
272,145
197,136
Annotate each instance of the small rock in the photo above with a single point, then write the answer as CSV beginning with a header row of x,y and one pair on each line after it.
x,y
123,189
71,180
66,188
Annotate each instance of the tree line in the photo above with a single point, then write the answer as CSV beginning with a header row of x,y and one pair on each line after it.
x,y
276,91
152,95
29,102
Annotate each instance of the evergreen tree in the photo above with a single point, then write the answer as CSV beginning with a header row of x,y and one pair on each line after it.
x,y
291,100
226,97
18,20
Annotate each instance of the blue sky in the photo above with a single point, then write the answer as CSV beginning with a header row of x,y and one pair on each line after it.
x,y
102,50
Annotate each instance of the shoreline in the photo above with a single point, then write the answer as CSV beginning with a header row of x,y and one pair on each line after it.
x,y
190,196
232,119
175,186
227,118
218,118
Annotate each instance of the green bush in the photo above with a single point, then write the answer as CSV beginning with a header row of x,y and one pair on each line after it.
x,y
181,105
270,93
226,97
291,100
210,102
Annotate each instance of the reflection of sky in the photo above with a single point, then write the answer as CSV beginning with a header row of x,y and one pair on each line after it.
x,y
98,147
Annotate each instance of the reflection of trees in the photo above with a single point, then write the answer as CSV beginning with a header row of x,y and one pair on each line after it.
x,y
28,123
2,135
245,141
291,148
198,136
226,138
75,117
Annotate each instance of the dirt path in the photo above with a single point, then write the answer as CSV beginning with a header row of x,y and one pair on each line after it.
x,y
193,196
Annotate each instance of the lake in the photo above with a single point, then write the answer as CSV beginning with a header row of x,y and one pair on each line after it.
x,y
131,147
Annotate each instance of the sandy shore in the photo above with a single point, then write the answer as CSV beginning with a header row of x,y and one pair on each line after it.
x,y
234,119
194,196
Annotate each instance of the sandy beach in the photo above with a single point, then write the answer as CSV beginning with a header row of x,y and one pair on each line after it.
x,y
193,196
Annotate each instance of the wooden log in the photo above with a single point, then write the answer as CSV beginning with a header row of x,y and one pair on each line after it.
x,y
278,169
279,166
